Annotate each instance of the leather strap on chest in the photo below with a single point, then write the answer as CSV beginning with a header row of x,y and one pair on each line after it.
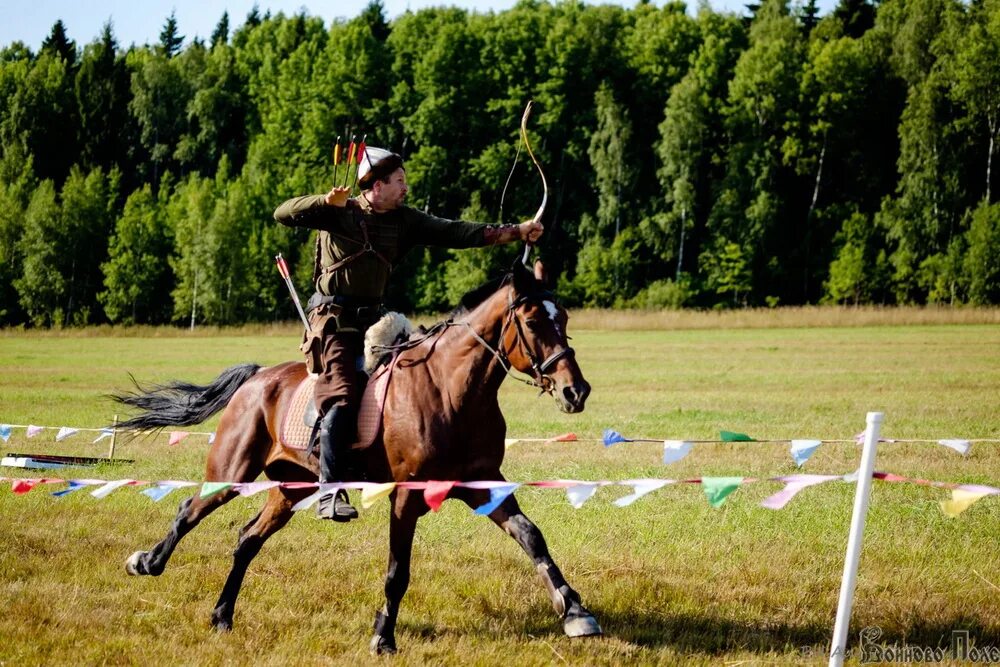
x,y
365,248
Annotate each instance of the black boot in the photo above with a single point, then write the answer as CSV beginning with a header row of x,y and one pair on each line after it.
x,y
333,430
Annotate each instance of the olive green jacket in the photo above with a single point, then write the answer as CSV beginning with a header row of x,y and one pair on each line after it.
x,y
390,234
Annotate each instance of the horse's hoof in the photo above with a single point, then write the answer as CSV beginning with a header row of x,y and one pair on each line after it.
x,y
582,626
222,624
133,563
381,646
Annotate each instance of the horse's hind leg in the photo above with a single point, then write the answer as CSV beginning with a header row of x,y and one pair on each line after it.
x,y
577,620
276,513
189,514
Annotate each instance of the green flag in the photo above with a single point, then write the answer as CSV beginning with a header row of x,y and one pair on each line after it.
x,y
730,436
211,488
718,488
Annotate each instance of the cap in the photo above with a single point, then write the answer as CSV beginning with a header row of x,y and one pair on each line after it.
x,y
376,164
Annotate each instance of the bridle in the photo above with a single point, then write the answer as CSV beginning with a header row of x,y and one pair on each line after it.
x,y
539,369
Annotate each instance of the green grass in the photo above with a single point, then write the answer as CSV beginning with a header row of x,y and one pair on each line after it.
x,y
669,578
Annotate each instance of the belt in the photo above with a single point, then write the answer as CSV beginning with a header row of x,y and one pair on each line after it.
x,y
363,308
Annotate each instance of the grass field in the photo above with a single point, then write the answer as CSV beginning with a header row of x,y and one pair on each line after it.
x,y
669,578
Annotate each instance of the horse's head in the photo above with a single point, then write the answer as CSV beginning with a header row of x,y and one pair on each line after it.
x,y
535,341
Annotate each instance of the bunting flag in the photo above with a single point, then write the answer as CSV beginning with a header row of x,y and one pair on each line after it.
x,y
313,498
105,433
963,497
435,493
717,489
65,432
960,446
794,484
732,436
802,450
162,489
498,494
34,430
76,485
510,441
211,488
211,438
250,488
565,437
107,488
579,493
22,486
177,436
612,437
372,492
675,450
5,432
641,487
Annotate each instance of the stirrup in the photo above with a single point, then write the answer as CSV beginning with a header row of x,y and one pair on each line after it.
x,y
336,507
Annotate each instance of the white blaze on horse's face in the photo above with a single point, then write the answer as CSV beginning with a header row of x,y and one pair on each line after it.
x,y
550,308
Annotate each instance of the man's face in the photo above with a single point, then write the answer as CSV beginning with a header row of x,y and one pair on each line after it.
x,y
390,195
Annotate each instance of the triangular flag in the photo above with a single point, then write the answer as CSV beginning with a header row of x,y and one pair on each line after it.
x,y
732,436
177,436
960,446
578,494
162,489
961,500
435,493
612,437
5,432
507,442
20,486
34,430
641,487
250,488
65,432
802,450
794,484
211,488
108,487
675,450
718,488
372,492
498,494
105,433
211,438
312,498
565,437
76,485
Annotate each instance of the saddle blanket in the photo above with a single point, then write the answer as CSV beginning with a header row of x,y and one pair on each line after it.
x,y
296,434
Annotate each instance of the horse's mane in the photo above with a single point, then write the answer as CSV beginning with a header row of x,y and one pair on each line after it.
x,y
474,297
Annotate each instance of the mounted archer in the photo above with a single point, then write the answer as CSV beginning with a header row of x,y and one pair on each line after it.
x,y
360,240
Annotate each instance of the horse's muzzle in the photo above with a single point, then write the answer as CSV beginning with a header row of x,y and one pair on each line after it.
x,y
573,397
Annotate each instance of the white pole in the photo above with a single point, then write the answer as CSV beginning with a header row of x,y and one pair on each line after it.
x,y
850,579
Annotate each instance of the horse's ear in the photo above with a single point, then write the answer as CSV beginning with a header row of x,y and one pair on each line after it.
x,y
541,275
523,281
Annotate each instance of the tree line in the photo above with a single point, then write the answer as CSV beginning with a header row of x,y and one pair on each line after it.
x,y
706,160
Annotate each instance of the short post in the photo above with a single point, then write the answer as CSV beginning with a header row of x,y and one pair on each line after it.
x,y
838,646
114,435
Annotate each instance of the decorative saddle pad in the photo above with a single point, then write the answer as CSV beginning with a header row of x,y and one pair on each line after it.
x,y
296,434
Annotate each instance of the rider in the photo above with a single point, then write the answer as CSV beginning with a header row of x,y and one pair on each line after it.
x,y
360,240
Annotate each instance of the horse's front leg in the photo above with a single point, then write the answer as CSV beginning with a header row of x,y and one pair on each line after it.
x,y
577,621
407,507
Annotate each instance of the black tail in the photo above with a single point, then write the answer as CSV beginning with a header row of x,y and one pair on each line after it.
x,y
182,403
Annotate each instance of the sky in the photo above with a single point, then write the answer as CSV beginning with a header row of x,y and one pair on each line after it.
x,y
140,21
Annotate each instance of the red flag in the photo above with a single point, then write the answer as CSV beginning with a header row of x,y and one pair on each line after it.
x,y
21,486
435,493
565,437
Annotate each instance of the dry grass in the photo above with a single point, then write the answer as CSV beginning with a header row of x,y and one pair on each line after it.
x,y
670,578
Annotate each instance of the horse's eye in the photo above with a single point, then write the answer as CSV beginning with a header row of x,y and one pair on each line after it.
x,y
531,322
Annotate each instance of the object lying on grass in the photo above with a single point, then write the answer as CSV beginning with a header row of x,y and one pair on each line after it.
x,y
53,461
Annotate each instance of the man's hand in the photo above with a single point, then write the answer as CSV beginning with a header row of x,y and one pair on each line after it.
x,y
337,196
530,231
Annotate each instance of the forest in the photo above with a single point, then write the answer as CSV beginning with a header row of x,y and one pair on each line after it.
x,y
695,159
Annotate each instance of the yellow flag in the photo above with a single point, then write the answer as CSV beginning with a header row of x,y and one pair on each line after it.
x,y
510,441
371,494
961,500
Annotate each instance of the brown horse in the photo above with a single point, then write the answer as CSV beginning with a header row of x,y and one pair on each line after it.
x,y
442,422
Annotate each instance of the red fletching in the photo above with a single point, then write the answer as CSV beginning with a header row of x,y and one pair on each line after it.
x,y
282,267
362,148
350,153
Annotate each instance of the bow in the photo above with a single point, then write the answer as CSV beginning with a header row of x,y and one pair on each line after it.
x,y
545,184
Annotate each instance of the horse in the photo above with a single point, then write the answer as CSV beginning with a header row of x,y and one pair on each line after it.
x,y
442,421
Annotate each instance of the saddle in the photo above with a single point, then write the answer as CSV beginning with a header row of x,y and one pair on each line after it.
x,y
299,424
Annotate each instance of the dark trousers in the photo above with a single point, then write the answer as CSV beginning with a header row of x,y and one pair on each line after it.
x,y
337,382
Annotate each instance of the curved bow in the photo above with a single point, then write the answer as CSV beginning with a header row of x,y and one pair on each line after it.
x,y
545,183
